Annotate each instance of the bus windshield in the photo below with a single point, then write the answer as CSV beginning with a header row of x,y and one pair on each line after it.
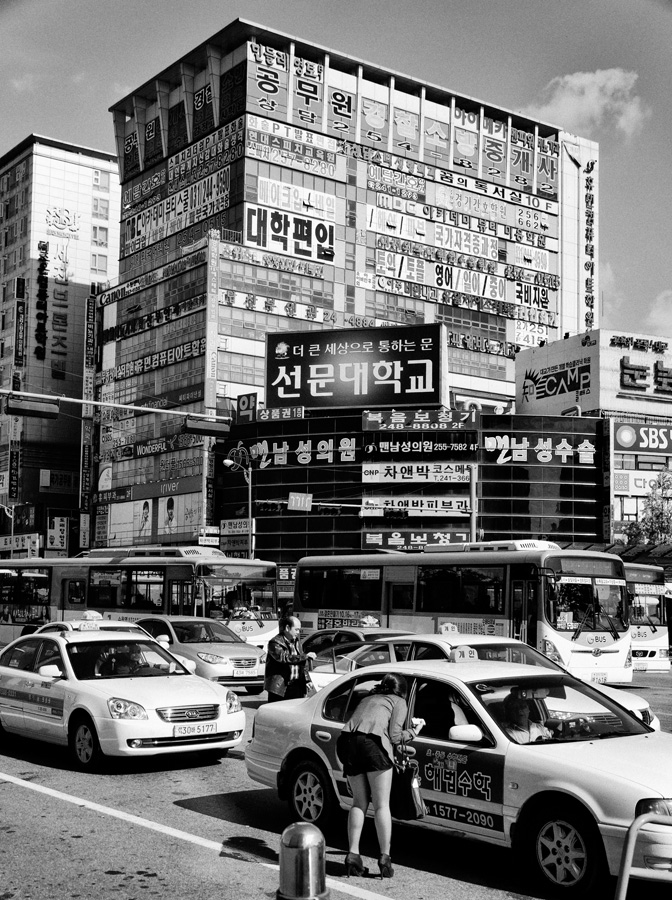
x,y
578,604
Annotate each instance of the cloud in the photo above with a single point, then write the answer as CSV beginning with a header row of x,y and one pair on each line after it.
x,y
659,315
122,90
585,101
25,84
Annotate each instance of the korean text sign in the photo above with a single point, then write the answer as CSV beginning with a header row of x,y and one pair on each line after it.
x,y
354,367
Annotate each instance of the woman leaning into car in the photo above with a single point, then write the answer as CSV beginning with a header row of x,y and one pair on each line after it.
x,y
366,749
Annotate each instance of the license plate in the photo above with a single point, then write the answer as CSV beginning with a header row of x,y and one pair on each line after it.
x,y
598,677
640,666
244,673
194,730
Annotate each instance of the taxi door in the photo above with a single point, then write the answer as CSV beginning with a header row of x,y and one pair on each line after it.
x,y
15,663
462,784
44,696
337,707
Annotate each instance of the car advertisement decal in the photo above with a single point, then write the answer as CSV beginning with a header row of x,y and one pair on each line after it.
x,y
462,786
49,706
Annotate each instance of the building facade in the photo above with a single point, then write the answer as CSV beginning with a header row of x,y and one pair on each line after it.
x,y
270,186
627,381
59,225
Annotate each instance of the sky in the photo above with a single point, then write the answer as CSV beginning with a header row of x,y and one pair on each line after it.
x,y
598,68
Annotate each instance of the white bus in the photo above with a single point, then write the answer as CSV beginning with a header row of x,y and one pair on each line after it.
x,y
570,604
132,582
648,618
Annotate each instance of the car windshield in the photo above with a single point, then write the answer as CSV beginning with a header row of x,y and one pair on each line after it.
x,y
208,632
554,709
122,658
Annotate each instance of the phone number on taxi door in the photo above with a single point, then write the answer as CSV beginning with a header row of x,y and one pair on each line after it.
x,y
466,816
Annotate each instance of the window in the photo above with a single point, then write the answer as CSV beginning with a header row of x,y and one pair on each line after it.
x,y
21,656
99,236
101,180
99,263
101,208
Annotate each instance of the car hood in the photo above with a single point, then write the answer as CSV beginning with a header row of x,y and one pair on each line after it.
x,y
163,690
642,759
626,698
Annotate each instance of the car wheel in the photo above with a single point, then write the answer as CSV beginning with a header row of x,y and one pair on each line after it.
x,y
254,690
311,795
564,848
84,745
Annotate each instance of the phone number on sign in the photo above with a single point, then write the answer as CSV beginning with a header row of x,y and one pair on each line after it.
x,y
466,816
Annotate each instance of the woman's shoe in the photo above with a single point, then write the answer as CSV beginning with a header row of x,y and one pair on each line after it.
x,y
354,865
385,866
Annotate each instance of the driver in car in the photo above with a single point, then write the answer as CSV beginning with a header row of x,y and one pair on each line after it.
x,y
517,722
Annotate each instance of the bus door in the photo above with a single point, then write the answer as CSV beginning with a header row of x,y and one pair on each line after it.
x,y
398,595
181,598
524,611
73,598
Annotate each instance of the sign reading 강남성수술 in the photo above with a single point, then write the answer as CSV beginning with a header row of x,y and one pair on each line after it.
x,y
354,367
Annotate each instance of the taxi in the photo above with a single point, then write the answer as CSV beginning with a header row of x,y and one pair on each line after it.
x,y
105,693
561,789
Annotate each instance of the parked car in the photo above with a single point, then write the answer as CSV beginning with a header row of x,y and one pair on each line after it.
x,y
564,802
105,693
219,653
348,657
325,638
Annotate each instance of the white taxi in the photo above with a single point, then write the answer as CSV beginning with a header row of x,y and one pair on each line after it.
x,y
105,693
562,790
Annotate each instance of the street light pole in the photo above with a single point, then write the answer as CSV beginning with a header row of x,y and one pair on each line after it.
x,y
235,465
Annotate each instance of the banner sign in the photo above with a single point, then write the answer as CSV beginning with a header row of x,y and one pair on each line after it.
x,y
419,420
450,507
354,367
422,473
408,540
451,447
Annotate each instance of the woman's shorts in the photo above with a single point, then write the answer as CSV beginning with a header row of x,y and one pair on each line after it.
x,y
361,753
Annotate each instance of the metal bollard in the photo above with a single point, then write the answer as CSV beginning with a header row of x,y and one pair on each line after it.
x,y
302,863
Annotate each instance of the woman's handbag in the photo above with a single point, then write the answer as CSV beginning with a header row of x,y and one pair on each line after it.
x,y
405,798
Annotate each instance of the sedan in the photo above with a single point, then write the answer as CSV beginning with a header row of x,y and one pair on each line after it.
x,y
345,658
326,638
112,694
219,653
564,801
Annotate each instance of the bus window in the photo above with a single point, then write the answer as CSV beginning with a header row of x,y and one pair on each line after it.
x,y
73,593
337,588
461,589
400,597
107,588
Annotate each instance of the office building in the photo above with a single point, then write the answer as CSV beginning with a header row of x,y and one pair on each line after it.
x,y
270,185
59,226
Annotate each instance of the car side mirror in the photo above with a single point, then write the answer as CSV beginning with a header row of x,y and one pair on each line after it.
x,y
164,640
50,671
465,734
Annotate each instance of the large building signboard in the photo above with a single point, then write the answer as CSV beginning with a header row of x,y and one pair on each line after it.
x,y
355,367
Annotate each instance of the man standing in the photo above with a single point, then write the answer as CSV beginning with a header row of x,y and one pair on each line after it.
x,y
286,677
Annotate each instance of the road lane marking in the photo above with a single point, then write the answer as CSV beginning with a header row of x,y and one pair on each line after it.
x,y
361,893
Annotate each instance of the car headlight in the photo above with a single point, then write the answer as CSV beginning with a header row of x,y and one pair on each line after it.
x,y
215,660
656,805
232,702
262,658
125,709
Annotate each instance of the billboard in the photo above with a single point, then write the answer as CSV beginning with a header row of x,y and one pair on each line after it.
x,y
598,370
355,367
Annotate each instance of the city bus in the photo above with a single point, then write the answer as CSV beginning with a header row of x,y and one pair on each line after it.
x,y
131,582
648,618
570,604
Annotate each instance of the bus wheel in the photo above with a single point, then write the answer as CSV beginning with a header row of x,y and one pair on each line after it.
x,y
565,850
84,745
311,795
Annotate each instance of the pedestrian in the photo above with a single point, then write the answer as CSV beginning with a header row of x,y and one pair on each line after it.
x,y
366,749
286,664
